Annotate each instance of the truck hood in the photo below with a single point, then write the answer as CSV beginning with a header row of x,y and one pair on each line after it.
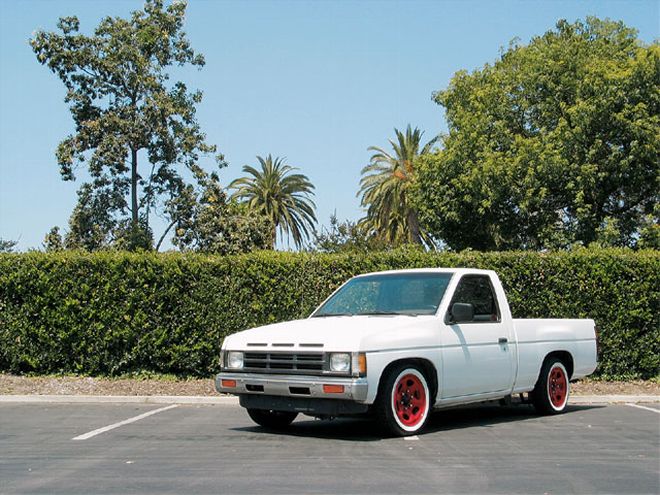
x,y
339,333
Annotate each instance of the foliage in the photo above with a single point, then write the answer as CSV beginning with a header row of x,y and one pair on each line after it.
x,y
111,313
556,143
384,189
124,108
94,223
649,233
53,241
280,195
346,236
214,224
7,246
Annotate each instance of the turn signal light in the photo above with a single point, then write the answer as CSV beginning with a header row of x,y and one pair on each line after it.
x,y
228,383
333,389
362,364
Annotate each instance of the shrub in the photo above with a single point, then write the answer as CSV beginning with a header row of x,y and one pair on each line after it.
x,y
112,313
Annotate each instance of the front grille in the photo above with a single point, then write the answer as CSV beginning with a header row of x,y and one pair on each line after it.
x,y
284,362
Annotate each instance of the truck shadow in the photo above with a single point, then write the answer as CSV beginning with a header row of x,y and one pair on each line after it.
x,y
363,429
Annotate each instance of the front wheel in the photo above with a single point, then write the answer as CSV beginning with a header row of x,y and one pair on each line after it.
x,y
275,420
552,389
403,401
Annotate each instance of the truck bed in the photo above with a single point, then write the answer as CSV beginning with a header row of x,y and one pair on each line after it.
x,y
538,337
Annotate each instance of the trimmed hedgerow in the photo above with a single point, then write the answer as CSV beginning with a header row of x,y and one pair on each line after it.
x,y
112,313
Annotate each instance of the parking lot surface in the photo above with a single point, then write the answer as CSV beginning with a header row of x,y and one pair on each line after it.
x,y
217,449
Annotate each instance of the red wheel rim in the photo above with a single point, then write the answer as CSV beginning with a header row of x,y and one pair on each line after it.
x,y
557,386
409,400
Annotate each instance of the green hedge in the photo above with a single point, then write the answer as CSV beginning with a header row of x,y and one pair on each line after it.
x,y
114,313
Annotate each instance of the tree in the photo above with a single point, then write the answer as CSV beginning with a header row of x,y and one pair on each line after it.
x,y
125,110
95,223
208,222
555,143
281,196
385,188
53,241
346,236
7,246
649,232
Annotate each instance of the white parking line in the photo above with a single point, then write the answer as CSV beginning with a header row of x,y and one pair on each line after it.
x,y
644,407
98,431
413,437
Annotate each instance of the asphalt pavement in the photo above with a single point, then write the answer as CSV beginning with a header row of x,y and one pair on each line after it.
x,y
103,448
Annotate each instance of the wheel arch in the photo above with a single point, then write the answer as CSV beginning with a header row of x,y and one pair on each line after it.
x,y
426,366
565,357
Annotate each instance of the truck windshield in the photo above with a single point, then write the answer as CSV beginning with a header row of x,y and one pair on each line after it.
x,y
388,294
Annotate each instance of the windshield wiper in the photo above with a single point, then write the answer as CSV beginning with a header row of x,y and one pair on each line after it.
x,y
332,314
380,313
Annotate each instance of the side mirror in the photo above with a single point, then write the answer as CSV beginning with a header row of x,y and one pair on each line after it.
x,y
462,312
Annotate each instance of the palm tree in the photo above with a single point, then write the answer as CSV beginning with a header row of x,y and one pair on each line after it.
x,y
384,189
282,196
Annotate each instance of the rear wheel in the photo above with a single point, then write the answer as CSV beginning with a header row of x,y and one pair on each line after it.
x,y
552,389
403,401
272,419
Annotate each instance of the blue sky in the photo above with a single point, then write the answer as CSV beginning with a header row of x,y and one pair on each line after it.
x,y
315,81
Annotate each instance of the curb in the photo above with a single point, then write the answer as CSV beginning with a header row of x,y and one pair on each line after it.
x,y
120,399
232,401
612,399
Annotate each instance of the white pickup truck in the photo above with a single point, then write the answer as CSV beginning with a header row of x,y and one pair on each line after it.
x,y
397,344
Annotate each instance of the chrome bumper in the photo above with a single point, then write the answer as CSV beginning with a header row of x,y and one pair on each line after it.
x,y
282,385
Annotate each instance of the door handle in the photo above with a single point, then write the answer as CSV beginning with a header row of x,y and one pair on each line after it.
x,y
502,340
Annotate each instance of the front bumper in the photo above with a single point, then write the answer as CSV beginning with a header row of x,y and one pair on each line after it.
x,y
355,389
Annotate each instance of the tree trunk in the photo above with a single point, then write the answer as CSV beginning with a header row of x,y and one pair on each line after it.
x,y
162,237
274,237
134,184
413,225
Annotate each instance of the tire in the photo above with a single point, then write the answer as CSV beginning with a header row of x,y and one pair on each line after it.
x,y
550,395
403,403
274,420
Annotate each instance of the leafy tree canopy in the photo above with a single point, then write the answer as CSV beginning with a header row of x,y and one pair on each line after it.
x,y
208,221
53,241
125,110
96,224
555,143
7,246
347,236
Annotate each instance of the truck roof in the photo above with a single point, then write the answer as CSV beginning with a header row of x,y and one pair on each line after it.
x,y
460,271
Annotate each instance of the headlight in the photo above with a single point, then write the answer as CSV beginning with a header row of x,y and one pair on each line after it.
x,y
234,360
340,362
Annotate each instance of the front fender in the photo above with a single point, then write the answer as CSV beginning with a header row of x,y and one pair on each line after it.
x,y
378,361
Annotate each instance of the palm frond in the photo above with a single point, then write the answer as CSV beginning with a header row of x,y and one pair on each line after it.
x,y
280,193
384,184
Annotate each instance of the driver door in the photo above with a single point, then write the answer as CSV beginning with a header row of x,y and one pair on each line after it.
x,y
476,358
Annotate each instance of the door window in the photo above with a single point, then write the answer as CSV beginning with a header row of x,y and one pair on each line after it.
x,y
478,291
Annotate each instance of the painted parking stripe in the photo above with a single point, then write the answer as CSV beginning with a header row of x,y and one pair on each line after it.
x,y
98,431
643,407
414,437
